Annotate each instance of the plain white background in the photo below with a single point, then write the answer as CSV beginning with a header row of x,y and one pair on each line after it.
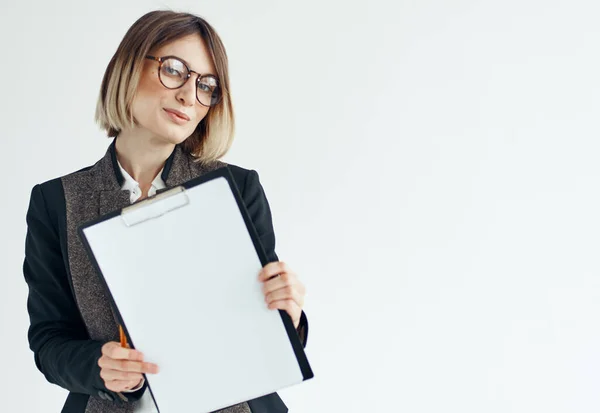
x,y
432,168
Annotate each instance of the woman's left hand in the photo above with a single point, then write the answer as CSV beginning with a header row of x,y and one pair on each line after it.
x,y
284,292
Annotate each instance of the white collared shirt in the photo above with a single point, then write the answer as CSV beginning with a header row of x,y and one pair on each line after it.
x,y
146,404
133,186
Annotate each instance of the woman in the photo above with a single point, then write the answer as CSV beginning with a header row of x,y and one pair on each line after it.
x,y
165,99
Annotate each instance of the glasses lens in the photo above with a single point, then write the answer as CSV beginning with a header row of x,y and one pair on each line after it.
x,y
173,73
209,92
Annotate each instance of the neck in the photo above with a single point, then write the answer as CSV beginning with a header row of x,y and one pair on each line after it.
x,y
142,157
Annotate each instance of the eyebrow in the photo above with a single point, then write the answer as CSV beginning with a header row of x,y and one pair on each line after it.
x,y
188,65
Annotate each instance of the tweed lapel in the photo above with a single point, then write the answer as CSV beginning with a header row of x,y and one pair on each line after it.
x,y
110,194
89,194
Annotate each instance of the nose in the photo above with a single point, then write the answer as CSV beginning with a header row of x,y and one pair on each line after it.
x,y
186,94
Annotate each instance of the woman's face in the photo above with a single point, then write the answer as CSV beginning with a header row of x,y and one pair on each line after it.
x,y
153,100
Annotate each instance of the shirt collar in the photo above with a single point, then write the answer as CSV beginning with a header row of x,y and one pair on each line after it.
x,y
118,170
129,183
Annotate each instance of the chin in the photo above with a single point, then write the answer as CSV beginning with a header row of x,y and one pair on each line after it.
x,y
175,137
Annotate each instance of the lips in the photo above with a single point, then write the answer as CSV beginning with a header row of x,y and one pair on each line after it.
x,y
178,114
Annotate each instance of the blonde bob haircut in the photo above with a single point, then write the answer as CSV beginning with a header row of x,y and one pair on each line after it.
x,y
214,135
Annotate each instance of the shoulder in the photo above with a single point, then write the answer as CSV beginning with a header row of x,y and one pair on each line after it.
x,y
47,203
53,187
239,173
49,195
247,180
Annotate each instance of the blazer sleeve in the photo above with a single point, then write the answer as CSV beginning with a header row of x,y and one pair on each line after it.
x,y
260,214
63,350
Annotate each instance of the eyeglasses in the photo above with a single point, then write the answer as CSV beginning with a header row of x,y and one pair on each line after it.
x,y
173,73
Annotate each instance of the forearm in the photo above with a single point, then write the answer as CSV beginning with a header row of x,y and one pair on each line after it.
x,y
58,337
71,364
260,213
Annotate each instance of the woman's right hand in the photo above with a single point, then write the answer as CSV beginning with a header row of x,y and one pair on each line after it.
x,y
122,368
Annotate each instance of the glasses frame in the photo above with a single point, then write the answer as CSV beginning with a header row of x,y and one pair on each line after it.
x,y
161,59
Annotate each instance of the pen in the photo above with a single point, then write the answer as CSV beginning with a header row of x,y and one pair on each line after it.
x,y
123,339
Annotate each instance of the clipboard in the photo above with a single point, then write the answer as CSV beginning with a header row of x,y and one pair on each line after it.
x,y
180,269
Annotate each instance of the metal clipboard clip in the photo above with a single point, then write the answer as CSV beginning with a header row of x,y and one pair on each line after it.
x,y
155,206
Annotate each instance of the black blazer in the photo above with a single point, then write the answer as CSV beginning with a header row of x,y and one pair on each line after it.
x,y
63,350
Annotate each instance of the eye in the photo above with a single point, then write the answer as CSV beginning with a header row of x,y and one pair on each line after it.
x,y
207,84
205,88
174,68
171,71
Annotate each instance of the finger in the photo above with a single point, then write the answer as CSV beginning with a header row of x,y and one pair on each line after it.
x,y
290,307
284,293
132,384
114,350
276,283
281,280
286,280
272,269
127,365
114,385
110,375
119,385
277,290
